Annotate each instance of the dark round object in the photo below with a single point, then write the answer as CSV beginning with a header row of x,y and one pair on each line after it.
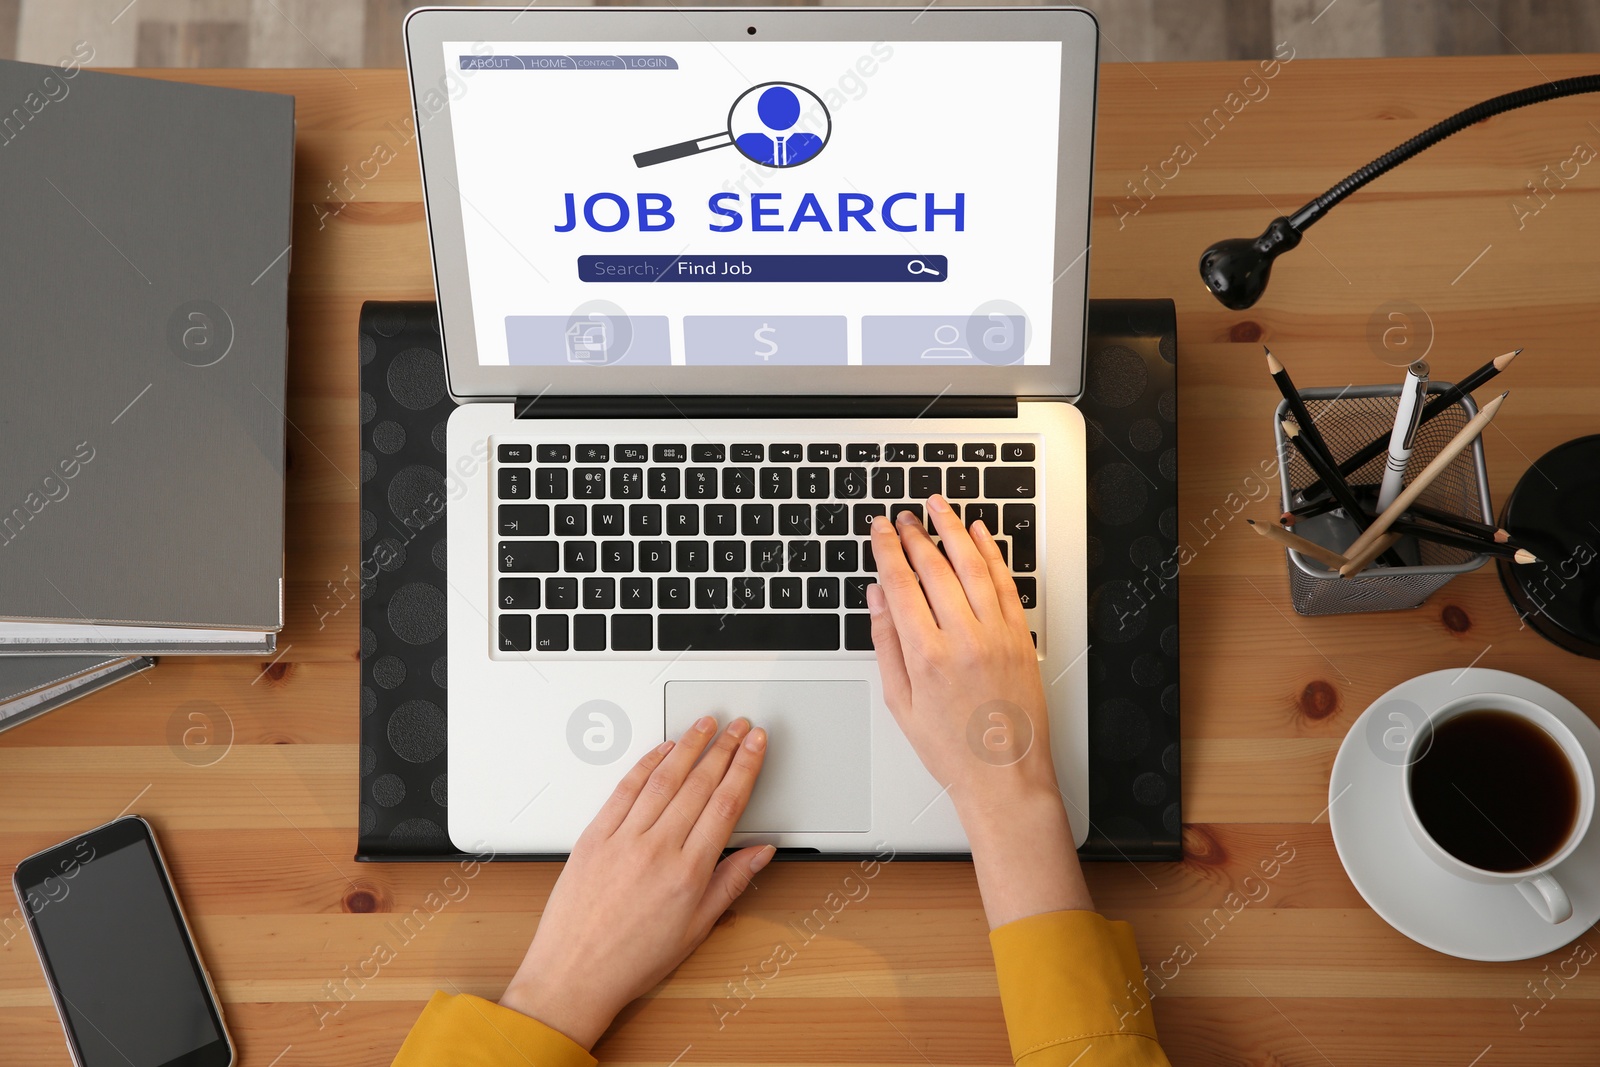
x,y
416,493
1150,789
1116,376
417,731
389,671
418,833
388,320
388,790
1145,435
388,437
1554,512
417,613
416,378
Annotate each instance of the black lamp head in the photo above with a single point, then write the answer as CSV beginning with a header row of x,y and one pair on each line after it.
x,y
1236,270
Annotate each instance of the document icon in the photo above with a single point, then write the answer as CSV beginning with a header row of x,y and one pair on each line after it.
x,y
586,341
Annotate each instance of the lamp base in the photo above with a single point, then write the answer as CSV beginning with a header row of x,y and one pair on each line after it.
x,y
1555,513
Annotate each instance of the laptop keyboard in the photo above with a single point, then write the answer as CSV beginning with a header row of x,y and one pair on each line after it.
x,y
671,547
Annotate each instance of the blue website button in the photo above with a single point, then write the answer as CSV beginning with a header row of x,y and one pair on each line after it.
x,y
598,62
941,340
585,339
649,62
736,268
765,340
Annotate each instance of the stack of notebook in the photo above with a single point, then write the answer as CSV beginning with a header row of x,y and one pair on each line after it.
x,y
143,291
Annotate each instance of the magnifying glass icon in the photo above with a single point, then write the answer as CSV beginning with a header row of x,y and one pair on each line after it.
x,y
916,266
775,124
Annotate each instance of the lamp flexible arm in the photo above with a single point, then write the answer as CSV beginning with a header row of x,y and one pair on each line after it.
x,y
1534,94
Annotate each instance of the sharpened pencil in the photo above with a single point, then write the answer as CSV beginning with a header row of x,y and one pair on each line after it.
x,y
1435,467
1440,402
1456,539
1297,406
1310,549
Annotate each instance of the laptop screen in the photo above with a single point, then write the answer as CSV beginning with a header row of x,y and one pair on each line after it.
x,y
760,203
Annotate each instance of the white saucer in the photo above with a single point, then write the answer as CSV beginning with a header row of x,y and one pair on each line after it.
x,y
1412,893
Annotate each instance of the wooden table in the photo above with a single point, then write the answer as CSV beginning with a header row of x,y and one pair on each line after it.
x,y
261,839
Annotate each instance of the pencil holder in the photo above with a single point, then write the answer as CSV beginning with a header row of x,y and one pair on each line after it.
x,y
1347,419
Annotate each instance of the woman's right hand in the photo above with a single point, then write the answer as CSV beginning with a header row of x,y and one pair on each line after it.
x,y
961,677
959,669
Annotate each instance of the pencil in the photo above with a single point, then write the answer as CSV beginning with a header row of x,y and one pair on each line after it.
x,y
1273,532
1341,490
1435,467
1442,402
1328,473
1359,562
1456,539
1415,512
1471,382
1297,406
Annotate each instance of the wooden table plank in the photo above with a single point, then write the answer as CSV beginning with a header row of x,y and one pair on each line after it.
x,y
262,838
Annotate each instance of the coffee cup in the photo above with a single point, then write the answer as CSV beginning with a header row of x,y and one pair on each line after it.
x,y
1508,797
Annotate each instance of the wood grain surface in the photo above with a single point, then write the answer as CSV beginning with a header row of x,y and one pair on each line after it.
x,y
261,839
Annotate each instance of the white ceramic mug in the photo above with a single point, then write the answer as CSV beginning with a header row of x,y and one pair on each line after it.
x,y
1536,884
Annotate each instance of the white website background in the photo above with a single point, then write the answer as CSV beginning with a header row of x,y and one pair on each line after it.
x,y
933,119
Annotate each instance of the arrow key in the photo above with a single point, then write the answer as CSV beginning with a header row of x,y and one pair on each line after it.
x,y
535,557
518,594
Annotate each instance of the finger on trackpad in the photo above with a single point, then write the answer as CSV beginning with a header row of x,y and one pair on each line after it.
x,y
818,773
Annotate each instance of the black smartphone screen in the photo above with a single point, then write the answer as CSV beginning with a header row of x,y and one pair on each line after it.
x,y
127,980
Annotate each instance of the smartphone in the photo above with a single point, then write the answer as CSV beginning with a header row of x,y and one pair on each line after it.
x,y
118,954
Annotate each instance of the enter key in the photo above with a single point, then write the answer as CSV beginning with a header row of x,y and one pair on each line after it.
x,y
1020,523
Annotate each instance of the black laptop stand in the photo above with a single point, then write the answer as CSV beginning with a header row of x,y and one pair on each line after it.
x,y
1130,404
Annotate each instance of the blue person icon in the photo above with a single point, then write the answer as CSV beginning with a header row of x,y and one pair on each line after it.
x,y
774,143
775,124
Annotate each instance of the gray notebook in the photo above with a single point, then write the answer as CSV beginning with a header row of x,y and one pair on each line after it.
x,y
33,685
144,261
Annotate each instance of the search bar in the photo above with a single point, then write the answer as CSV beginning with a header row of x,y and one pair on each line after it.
x,y
731,268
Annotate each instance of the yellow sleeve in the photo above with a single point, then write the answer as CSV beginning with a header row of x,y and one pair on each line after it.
x,y
468,1031
1073,992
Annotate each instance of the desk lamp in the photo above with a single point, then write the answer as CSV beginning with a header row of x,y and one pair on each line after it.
x,y
1555,508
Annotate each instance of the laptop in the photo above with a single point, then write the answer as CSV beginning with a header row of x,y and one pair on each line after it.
x,y
716,286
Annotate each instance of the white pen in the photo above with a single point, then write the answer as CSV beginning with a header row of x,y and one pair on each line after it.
x,y
1406,418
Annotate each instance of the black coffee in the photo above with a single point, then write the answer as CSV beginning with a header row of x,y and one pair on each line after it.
x,y
1495,791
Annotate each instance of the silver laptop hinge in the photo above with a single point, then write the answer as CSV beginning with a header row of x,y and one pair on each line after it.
x,y
766,407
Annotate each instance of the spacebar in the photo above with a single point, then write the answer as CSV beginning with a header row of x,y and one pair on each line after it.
x,y
738,632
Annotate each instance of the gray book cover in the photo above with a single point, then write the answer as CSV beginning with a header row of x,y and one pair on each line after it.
x,y
33,685
144,259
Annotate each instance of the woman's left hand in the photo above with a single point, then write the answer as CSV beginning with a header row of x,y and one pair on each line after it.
x,y
643,885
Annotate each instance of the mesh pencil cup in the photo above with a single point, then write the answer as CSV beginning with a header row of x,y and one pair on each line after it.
x,y
1347,419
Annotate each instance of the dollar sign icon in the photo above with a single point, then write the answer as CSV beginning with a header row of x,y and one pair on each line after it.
x,y
763,336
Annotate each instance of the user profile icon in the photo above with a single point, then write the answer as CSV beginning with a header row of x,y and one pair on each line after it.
x,y
775,124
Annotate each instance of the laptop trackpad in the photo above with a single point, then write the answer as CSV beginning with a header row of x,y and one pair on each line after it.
x,y
818,773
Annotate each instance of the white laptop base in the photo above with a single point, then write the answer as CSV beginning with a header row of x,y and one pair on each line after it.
x,y
548,734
